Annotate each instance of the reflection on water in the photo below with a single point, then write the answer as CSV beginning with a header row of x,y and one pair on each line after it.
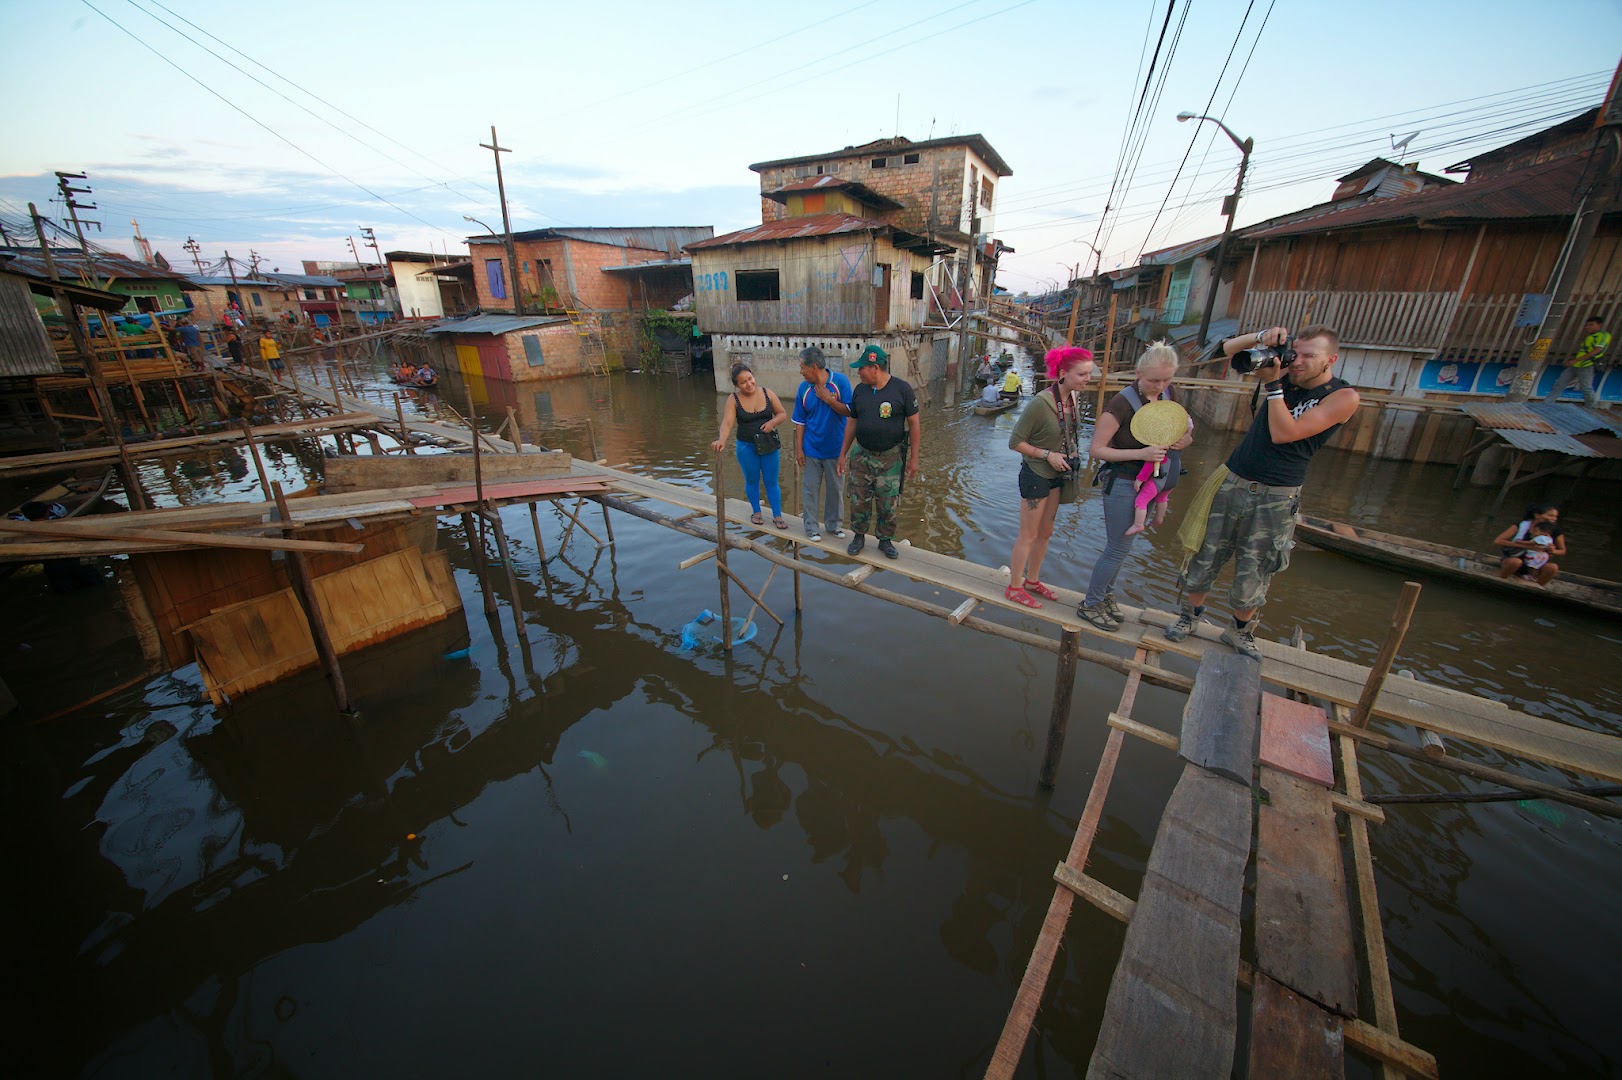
x,y
598,854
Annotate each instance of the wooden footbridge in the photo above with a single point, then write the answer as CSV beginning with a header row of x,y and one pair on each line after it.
x,y
1270,778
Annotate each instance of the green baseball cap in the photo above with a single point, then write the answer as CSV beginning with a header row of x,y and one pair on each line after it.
x,y
872,355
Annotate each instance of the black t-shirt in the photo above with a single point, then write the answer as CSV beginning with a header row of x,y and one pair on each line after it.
x,y
881,414
1260,459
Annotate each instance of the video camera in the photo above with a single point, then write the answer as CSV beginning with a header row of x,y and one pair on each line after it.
x,y
1262,355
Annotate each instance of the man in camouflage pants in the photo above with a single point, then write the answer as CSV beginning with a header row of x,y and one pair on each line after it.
x,y
883,427
1252,518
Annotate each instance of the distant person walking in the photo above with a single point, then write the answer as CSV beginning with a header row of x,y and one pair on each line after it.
x,y
233,344
1580,371
757,414
192,342
884,430
820,407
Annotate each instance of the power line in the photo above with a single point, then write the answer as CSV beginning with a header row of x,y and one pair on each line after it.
x,y
1126,139
260,123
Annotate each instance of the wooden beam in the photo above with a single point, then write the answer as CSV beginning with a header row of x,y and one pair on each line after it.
x,y
959,613
80,529
1095,892
1400,618
1143,731
689,563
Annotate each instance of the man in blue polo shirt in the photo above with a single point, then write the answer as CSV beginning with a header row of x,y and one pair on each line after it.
x,y
820,407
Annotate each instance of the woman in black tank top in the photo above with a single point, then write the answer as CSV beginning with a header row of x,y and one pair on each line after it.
x,y
757,414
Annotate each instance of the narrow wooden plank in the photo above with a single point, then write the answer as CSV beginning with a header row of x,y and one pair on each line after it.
x,y
1220,720
1295,740
1292,1037
563,485
1095,892
1172,1005
1303,920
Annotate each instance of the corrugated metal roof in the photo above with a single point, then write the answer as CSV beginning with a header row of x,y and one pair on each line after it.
x,y
25,347
1547,425
494,324
652,264
71,264
792,229
1551,189
647,237
1179,252
977,143
832,183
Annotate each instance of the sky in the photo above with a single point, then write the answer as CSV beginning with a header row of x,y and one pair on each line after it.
x,y
281,129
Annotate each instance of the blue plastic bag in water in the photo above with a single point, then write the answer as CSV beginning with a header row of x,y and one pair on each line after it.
x,y
704,632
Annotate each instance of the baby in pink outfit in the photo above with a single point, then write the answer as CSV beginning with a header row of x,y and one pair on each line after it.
x,y
1148,491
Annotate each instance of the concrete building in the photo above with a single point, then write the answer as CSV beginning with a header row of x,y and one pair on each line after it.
x,y
569,268
419,290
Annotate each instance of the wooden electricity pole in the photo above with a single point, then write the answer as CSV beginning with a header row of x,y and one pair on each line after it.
x,y
515,284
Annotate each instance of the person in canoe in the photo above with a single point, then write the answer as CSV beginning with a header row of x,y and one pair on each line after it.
x,y
1515,542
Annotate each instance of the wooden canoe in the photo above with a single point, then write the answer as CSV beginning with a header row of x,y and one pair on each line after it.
x,y
994,407
75,495
1476,568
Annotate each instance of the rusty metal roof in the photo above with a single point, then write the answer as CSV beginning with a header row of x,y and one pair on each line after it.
x,y
1545,425
792,228
1551,189
71,264
833,183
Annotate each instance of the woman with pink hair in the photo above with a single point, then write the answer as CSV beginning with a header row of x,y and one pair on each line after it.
x,y
1046,437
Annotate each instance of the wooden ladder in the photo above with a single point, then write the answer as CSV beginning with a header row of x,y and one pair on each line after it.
x,y
591,342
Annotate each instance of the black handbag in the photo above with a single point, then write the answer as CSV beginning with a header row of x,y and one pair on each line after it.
x,y
767,442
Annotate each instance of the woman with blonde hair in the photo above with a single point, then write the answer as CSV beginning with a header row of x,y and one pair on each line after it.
x,y
1123,457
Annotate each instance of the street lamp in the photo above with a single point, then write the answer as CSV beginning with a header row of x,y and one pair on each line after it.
x,y
476,221
1098,256
1230,206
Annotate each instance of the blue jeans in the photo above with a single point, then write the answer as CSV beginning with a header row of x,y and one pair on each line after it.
x,y
1118,515
754,466
822,473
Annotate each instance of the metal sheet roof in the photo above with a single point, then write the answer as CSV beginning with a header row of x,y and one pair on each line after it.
x,y
832,183
647,237
494,324
1551,189
682,263
71,264
792,229
1179,252
1545,425
977,143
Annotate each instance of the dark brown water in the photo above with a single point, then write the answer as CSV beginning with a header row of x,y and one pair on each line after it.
x,y
824,855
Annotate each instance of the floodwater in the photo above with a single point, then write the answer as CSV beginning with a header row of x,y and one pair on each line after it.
x,y
823,855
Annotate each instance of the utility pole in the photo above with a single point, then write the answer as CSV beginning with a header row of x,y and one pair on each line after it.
x,y
371,241
196,249
74,206
1230,206
253,263
1603,168
236,288
92,367
495,147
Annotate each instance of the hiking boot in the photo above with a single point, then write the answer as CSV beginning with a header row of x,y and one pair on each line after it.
x,y
856,544
1243,640
1184,626
889,550
1112,609
1098,615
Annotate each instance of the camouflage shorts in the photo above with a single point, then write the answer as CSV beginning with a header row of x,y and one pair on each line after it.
x,y
1255,529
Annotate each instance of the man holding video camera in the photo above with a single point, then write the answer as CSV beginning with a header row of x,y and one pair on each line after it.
x,y
1252,515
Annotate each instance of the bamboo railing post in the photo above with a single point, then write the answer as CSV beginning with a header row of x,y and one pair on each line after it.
x,y
721,553
1064,685
475,544
478,466
298,572
1400,618
540,546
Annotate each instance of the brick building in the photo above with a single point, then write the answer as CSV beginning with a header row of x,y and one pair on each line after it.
x,y
942,189
565,268
513,348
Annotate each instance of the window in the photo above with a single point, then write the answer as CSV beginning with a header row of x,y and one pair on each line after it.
x,y
909,159
815,202
532,350
257,302
309,294
879,163
758,285
917,286
985,193
497,278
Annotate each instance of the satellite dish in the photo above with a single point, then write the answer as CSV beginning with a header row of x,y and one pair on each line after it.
x,y
1399,145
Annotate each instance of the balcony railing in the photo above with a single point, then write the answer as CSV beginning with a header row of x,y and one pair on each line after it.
x,y
1399,320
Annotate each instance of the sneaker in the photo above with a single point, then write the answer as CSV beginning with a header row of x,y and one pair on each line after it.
x,y
889,550
1184,626
1097,615
1243,640
856,545
813,535
840,533
1113,610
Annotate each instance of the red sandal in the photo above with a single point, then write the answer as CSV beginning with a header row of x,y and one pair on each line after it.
x,y
1020,596
1040,590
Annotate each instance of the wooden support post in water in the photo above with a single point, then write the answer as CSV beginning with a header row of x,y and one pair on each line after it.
x,y
478,467
298,572
507,564
405,432
1064,685
475,544
517,437
258,463
720,552
1388,652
